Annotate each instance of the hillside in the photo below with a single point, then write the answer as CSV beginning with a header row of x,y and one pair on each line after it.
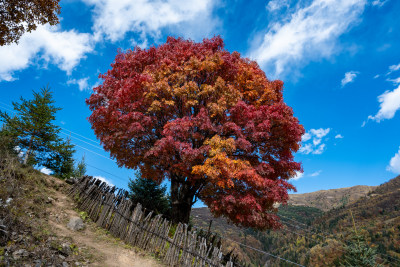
x,y
34,213
328,199
313,238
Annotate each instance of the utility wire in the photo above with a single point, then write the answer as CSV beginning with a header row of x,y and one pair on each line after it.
x,y
82,141
264,252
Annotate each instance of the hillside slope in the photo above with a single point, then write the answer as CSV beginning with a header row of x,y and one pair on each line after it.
x,y
313,238
328,199
34,212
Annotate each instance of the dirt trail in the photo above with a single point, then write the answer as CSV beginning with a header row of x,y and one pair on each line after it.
x,y
105,249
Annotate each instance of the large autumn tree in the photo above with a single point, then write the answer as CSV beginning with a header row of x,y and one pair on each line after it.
x,y
20,16
207,120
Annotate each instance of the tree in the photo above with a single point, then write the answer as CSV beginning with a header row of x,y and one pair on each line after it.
x,y
358,253
20,16
80,169
61,160
33,127
149,194
205,119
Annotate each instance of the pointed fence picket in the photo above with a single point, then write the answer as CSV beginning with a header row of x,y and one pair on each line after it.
x,y
115,212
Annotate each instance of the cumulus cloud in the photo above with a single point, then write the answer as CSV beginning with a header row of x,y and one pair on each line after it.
x,y
314,138
314,174
389,104
62,48
103,179
113,19
349,77
45,171
82,83
311,33
339,136
394,164
297,176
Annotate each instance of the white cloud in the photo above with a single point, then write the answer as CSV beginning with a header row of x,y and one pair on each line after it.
x,y
339,136
389,104
297,176
394,81
311,34
82,83
62,48
377,76
393,68
316,141
113,19
275,5
306,149
319,133
103,179
45,171
379,3
314,174
305,137
319,150
349,77
394,164
315,146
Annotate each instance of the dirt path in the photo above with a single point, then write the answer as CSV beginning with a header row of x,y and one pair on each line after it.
x,y
105,249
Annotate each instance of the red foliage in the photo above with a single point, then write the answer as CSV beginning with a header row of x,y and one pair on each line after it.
x,y
208,120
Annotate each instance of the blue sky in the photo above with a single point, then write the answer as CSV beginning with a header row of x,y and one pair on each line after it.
x,y
339,60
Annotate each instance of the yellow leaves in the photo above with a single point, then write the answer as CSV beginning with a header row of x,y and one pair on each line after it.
x,y
218,145
219,167
155,106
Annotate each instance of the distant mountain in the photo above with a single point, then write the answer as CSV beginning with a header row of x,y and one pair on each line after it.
x,y
312,237
328,199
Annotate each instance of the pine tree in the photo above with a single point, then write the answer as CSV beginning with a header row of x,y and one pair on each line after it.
x,y
80,169
33,127
150,195
358,253
61,160
33,131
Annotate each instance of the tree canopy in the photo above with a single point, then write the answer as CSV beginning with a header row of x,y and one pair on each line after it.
x,y
149,194
206,119
20,16
33,131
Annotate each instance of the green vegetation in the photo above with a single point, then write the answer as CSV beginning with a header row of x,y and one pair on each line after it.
x,y
31,131
150,195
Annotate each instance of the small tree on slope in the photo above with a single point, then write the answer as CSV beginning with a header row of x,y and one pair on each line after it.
x,y
150,194
34,132
205,119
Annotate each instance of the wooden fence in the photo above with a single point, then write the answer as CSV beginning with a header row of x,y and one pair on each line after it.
x,y
111,209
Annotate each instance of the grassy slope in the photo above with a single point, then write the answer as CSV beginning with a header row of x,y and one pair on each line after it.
x,y
314,238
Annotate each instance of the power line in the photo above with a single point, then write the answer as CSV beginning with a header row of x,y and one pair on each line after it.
x,y
93,152
83,141
264,252
80,135
119,177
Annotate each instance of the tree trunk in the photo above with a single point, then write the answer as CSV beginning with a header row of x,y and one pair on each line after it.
x,y
182,199
28,151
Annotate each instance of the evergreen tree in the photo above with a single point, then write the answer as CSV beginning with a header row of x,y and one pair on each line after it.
x,y
33,131
358,253
80,169
150,195
33,127
61,160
